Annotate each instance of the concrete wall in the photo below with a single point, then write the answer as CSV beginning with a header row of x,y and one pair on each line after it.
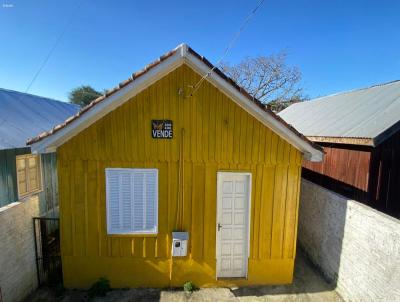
x,y
17,249
356,247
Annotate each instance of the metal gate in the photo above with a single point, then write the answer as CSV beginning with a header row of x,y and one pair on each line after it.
x,y
47,246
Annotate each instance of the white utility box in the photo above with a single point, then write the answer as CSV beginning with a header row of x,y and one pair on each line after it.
x,y
179,243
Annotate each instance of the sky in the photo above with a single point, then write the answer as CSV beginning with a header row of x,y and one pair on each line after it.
x,y
337,45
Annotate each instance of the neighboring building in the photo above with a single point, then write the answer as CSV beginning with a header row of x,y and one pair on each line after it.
x,y
28,188
149,159
360,133
23,115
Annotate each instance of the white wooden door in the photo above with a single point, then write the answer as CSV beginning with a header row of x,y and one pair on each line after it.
x,y
233,203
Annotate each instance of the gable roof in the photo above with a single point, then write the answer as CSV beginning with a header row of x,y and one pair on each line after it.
x,y
365,116
23,115
50,140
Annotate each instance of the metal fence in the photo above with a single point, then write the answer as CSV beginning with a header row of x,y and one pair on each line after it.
x,y
47,247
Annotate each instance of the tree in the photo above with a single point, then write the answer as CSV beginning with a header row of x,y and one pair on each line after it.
x,y
279,105
267,78
83,95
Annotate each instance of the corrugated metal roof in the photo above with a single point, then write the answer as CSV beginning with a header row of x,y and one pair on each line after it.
x,y
24,115
362,113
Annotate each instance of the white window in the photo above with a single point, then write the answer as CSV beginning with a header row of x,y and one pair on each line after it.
x,y
132,201
29,175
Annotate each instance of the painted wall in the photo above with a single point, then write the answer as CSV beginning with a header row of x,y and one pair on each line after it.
x,y
48,197
18,276
346,164
355,246
17,249
8,175
384,186
211,133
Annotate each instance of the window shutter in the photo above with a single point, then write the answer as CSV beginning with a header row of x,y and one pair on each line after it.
x,y
151,182
126,200
113,208
139,201
28,174
33,173
21,176
132,201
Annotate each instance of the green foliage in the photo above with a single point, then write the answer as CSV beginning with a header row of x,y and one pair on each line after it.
x,y
100,288
189,287
280,104
83,95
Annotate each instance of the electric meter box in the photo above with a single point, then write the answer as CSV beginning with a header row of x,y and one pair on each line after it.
x,y
179,244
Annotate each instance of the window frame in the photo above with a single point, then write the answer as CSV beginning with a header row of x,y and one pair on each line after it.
x,y
26,158
133,233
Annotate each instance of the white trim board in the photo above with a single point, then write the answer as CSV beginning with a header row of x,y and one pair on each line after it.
x,y
51,142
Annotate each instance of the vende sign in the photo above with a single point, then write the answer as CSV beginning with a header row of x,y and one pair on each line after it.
x,y
161,129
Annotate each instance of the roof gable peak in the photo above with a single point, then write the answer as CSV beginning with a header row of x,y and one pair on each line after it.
x,y
50,140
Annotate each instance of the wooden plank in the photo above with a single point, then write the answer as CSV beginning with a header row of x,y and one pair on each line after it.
x,y
212,124
231,130
243,136
278,212
198,200
237,135
249,138
219,135
255,141
291,213
345,165
91,210
255,212
218,125
266,212
210,211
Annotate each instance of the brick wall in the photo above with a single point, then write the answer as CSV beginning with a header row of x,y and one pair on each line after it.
x,y
356,247
17,250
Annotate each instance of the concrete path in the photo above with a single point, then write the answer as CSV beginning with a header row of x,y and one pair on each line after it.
x,y
307,286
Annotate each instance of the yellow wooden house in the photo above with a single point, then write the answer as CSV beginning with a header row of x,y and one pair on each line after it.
x,y
166,179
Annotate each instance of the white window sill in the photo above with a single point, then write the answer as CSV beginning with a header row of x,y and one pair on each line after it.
x,y
9,206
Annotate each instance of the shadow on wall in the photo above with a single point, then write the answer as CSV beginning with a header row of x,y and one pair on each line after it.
x,y
356,247
321,228
308,285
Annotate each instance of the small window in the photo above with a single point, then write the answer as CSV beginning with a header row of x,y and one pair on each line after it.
x,y
132,201
29,175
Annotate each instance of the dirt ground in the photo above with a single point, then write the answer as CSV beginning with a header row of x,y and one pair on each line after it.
x,y
308,285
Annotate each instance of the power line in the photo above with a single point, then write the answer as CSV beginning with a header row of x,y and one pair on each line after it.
x,y
54,47
229,47
48,55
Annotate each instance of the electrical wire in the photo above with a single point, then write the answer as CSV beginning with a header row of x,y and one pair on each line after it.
x,y
50,53
229,47
48,56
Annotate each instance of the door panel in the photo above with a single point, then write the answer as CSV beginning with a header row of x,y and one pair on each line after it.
x,y
233,202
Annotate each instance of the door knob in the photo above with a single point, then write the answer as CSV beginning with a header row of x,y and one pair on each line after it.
x,y
219,226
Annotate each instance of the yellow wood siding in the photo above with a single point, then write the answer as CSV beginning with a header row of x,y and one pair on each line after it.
x,y
211,133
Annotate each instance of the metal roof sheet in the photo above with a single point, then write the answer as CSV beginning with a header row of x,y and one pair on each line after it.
x,y
362,113
24,115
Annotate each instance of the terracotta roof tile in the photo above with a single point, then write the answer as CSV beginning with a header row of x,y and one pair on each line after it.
x,y
139,73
